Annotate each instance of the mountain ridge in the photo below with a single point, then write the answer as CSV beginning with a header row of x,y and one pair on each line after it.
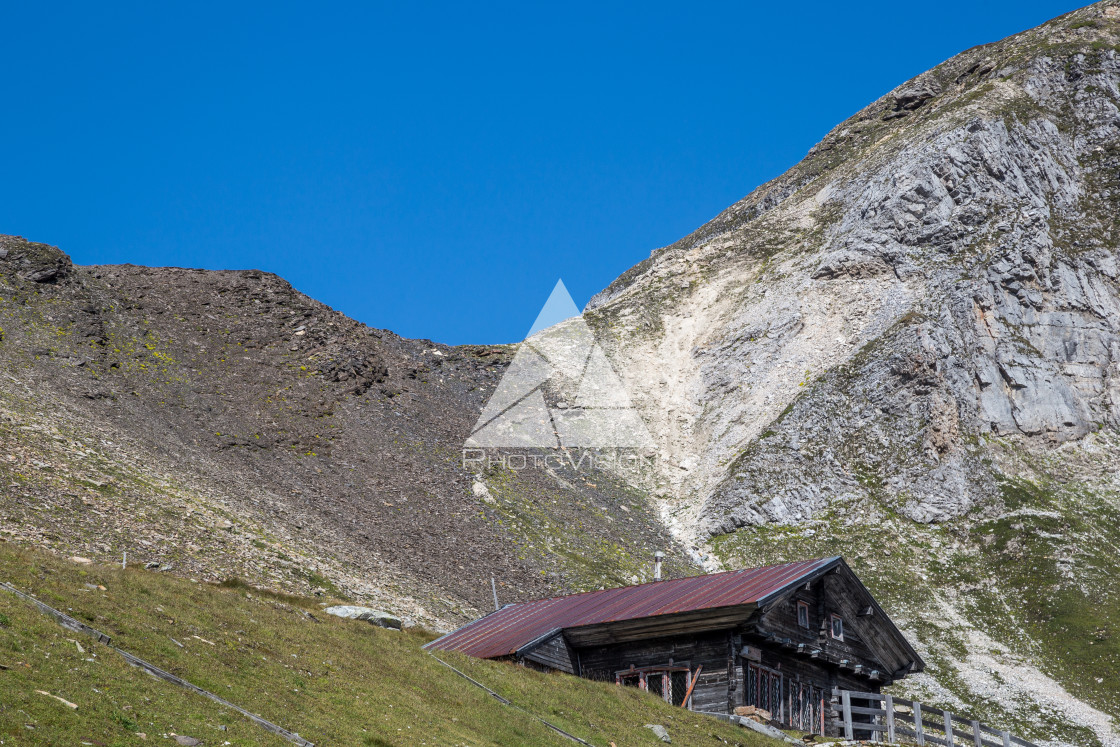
x,y
904,351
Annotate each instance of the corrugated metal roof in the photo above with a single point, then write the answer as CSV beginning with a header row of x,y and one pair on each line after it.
x,y
503,632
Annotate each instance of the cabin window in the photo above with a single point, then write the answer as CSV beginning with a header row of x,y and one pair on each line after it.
x,y
838,627
790,701
670,683
806,707
764,689
803,614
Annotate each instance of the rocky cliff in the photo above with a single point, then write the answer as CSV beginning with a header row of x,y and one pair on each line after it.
x,y
908,348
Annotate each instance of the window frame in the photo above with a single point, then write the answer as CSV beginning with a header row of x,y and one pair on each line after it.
x,y
641,675
803,612
833,619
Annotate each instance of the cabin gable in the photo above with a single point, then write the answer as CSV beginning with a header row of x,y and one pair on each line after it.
x,y
868,642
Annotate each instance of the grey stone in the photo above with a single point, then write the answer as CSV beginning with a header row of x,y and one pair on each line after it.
x,y
766,729
370,615
660,732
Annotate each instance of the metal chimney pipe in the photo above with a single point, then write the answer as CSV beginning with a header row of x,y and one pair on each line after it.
x,y
657,556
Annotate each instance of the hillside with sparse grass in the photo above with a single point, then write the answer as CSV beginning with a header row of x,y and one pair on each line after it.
x,y
332,681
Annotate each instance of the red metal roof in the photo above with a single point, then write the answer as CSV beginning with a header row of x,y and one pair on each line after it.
x,y
503,632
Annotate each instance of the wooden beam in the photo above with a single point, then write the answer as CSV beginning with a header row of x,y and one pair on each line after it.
x,y
695,678
846,704
890,718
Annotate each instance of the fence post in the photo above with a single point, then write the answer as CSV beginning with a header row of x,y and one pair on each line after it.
x,y
889,705
1006,739
846,704
976,738
919,735
948,728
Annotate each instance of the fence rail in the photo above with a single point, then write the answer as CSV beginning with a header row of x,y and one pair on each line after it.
x,y
895,717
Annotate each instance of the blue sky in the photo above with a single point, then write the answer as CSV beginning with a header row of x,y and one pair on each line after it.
x,y
432,168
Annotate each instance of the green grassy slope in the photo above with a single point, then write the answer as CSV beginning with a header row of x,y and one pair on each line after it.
x,y
332,681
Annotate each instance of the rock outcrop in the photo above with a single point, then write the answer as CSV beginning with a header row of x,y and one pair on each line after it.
x,y
906,350
939,272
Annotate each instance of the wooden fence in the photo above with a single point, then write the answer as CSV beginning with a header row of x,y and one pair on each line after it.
x,y
894,718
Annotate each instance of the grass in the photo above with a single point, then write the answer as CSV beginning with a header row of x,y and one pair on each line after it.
x,y
332,681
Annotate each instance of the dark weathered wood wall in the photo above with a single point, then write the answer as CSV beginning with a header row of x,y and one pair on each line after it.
x,y
867,638
555,653
712,650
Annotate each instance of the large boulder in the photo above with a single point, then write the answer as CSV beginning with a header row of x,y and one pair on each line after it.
x,y
370,615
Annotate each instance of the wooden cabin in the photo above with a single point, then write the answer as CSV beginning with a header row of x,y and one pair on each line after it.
x,y
779,637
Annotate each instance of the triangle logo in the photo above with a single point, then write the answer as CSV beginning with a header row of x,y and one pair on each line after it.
x,y
560,390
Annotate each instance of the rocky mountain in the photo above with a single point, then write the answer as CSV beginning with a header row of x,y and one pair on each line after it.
x,y
904,350
908,346
221,424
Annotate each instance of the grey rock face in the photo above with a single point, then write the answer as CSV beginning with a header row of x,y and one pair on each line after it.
x,y
38,263
940,274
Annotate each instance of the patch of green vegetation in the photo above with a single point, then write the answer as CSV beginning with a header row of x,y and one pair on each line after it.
x,y
333,681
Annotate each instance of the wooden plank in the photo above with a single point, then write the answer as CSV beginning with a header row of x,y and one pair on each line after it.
x,y
846,704
890,718
926,738
977,740
866,696
1006,739
71,624
692,686
167,676
966,735
873,728
860,726
868,711
949,728
61,618
919,735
